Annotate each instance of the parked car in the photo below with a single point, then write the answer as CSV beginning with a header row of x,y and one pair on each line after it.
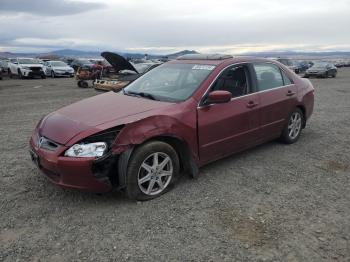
x,y
321,69
26,67
178,117
4,64
1,72
290,64
58,68
302,66
81,63
124,72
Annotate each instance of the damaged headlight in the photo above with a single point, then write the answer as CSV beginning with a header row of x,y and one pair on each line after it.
x,y
96,145
97,149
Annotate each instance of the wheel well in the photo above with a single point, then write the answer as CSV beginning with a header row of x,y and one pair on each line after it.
x,y
179,146
302,108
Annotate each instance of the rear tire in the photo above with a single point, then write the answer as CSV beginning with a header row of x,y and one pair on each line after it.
x,y
291,132
152,170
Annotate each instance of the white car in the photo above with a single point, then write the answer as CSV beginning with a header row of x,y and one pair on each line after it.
x,y
58,68
26,67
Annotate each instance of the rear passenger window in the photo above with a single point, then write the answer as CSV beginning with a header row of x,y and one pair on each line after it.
x,y
268,76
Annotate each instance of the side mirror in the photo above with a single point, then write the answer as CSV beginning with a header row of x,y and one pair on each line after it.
x,y
218,97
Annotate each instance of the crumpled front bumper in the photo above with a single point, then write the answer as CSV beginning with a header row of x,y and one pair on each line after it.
x,y
68,172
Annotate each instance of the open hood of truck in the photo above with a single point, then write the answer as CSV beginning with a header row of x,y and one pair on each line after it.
x,y
118,62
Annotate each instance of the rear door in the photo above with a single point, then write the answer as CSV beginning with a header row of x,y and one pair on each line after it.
x,y
230,127
278,96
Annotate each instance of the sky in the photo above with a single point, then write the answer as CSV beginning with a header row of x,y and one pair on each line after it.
x,y
163,27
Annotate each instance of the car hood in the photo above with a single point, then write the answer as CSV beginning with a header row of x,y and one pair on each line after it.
x,y
31,65
67,122
62,68
318,69
118,62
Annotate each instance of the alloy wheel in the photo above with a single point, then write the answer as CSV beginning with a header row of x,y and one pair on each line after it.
x,y
294,125
155,173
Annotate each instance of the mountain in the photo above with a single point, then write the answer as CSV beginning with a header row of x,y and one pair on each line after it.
x,y
184,52
296,54
75,53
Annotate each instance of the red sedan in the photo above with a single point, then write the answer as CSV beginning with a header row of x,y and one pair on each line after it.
x,y
177,117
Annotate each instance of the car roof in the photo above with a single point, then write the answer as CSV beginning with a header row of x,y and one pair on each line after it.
x,y
204,57
221,60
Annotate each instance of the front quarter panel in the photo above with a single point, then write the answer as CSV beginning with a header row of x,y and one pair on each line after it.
x,y
182,126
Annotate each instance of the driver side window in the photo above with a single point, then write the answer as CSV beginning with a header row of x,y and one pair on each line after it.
x,y
233,79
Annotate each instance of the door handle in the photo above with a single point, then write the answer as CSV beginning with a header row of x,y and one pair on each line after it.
x,y
290,93
251,104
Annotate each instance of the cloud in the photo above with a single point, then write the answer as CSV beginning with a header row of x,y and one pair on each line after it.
x,y
48,7
158,26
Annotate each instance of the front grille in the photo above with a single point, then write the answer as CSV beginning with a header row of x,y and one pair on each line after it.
x,y
47,144
35,68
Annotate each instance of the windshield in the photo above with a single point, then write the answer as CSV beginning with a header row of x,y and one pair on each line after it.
x,y
286,62
84,61
58,63
170,82
319,65
28,61
141,68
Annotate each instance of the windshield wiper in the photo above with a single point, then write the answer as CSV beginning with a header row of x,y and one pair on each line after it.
x,y
139,94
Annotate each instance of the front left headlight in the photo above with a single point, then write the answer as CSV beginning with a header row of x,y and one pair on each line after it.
x,y
96,149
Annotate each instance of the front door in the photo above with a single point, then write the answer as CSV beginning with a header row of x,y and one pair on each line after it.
x,y
230,127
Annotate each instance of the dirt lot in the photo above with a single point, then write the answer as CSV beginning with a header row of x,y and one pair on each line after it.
x,y
272,203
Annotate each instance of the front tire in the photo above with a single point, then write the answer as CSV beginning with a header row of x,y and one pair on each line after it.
x,y
292,130
53,74
152,170
20,75
84,84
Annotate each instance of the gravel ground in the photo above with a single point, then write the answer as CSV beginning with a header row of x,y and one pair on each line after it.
x,y
272,203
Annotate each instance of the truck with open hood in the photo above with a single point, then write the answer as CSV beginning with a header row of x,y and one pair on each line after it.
x,y
124,73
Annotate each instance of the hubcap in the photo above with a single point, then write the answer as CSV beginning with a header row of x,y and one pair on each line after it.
x,y
155,173
294,125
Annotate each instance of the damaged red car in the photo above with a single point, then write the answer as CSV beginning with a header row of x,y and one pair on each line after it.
x,y
174,119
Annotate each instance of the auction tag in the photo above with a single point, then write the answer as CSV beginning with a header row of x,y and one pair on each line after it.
x,y
203,67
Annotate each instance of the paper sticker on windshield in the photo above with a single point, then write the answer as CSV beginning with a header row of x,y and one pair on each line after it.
x,y
203,67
